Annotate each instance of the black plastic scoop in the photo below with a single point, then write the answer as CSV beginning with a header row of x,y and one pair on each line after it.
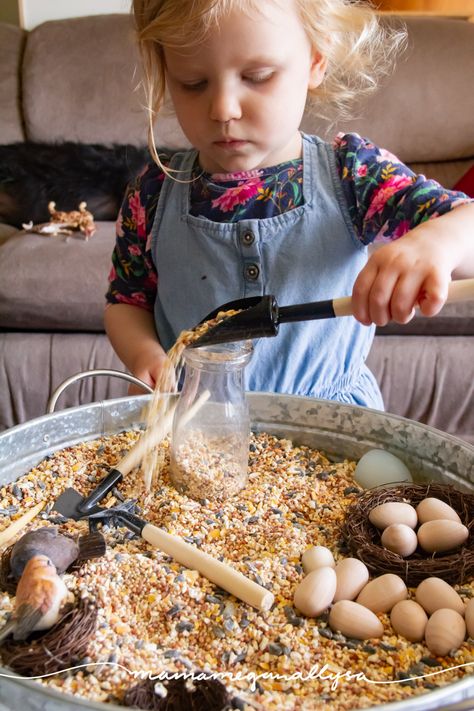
x,y
260,316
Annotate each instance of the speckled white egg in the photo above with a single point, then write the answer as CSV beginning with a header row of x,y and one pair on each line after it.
x,y
431,509
317,557
399,538
354,620
382,593
469,616
445,632
435,593
378,467
352,574
442,535
384,515
409,620
315,592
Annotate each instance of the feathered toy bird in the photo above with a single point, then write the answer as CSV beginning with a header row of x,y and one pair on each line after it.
x,y
40,595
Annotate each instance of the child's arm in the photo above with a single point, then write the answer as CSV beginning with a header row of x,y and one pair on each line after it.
x,y
131,331
416,268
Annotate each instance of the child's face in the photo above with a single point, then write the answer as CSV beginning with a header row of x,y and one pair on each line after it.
x,y
240,96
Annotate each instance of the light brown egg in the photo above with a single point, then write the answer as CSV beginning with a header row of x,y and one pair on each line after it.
x,y
316,591
382,593
441,535
354,620
317,557
431,509
352,574
469,615
399,538
445,632
435,593
409,619
384,515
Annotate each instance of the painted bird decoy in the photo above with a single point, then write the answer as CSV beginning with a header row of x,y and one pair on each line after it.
x,y
40,595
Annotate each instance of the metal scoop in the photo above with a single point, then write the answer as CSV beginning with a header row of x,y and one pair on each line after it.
x,y
261,316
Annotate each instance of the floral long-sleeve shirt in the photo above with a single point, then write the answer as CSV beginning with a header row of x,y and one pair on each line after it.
x,y
384,197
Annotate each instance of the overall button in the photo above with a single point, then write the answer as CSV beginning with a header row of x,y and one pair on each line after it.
x,y
252,272
247,238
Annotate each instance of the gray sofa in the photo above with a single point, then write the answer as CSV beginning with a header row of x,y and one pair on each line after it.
x,y
75,80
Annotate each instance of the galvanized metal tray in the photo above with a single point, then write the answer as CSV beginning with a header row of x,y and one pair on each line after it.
x,y
342,431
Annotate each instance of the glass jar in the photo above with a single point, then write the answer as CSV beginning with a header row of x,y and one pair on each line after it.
x,y
211,426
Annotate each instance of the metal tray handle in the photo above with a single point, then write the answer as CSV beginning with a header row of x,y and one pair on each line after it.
x,y
92,373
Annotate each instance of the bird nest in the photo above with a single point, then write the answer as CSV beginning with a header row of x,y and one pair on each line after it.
x,y
56,649
363,538
7,581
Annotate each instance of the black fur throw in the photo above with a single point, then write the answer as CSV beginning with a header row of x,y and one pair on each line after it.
x,y
33,174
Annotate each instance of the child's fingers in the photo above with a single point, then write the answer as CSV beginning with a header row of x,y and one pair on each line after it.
x,y
433,294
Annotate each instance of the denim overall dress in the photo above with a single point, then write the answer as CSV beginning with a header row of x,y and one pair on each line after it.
x,y
309,253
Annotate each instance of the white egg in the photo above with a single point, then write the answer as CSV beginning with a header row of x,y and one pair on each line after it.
x,y
317,557
378,467
399,538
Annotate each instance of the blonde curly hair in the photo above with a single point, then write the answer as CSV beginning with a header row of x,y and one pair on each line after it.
x,y
357,48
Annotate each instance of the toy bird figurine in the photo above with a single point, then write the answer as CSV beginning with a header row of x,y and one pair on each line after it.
x,y
40,594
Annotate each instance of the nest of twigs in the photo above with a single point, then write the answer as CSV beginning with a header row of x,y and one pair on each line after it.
x,y
363,538
179,695
56,649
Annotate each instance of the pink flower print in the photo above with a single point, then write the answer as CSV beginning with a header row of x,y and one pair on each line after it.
x,y
401,229
238,175
385,192
237,195
362,170
119,225
387,156
134,250
137,298
138,214
112,275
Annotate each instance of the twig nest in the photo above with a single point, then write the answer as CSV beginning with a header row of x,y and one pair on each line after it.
x,y
179,695
60,549
445,632
60,647
363,538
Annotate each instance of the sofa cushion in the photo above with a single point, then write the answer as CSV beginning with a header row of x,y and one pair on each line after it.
x,y
423,112
65,97
11,48
55,283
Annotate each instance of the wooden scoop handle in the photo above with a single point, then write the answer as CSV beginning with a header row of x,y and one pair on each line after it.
x,y
460,290
215,570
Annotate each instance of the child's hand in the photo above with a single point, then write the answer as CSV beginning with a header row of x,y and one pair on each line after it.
x,y
155,369
414,270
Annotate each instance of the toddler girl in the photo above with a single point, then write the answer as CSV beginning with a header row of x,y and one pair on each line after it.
x,y
258,207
